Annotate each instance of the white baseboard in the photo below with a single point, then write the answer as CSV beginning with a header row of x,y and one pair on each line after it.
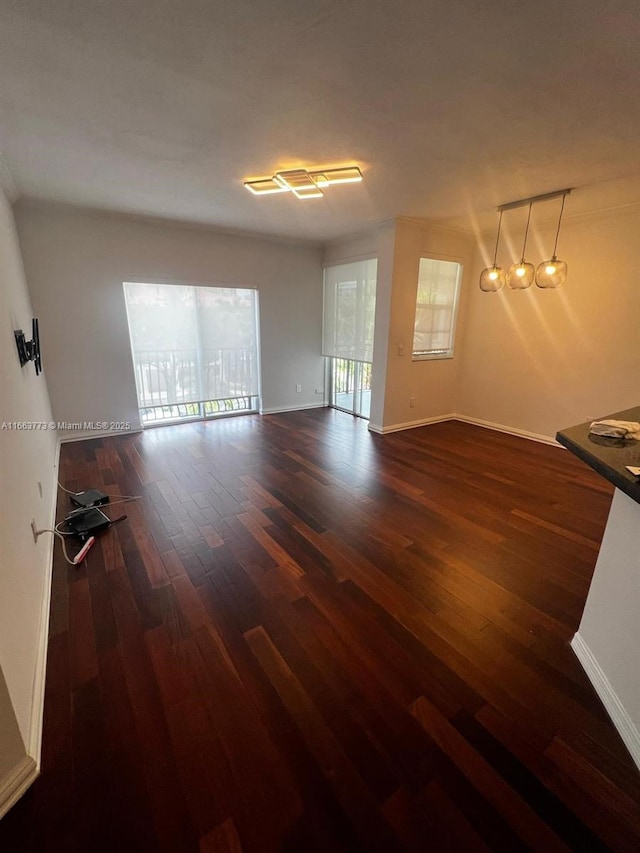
x,y
520,433
34,738
83,435
277,410
625,726
13,786
454,416
380,430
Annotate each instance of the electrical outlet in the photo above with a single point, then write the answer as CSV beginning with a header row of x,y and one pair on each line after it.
x,y
298,389
34,529
319,390
412,402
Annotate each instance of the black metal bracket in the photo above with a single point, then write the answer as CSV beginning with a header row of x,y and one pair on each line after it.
x,y
29,350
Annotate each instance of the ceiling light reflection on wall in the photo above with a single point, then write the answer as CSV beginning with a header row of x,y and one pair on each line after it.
x,y
303,183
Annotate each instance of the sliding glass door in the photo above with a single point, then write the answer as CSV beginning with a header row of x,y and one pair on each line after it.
x,y
351,386
195,350
349,318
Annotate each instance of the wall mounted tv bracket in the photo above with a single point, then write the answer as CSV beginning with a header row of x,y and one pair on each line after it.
x,y
29,350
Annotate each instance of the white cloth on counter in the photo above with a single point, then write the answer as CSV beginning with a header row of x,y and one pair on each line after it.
x,y
616,429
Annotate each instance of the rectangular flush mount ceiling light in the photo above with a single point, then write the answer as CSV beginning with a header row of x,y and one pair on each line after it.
x,y
266,186
350,175
302,183
296,179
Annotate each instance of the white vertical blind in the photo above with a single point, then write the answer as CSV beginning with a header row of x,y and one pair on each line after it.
x,y
349,310
192,344
436,304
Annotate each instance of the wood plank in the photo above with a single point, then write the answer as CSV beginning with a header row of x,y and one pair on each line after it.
x,y
84,658
531,829
349,787
222,839
269,544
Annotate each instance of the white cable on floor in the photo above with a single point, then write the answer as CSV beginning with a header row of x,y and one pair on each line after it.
x,y
61,536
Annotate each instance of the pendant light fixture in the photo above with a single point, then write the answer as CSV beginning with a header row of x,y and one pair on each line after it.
x,y
492,278
521,276
553,273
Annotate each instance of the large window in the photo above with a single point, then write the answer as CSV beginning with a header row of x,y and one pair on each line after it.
x,y
195,350
436,306
349,319
349,310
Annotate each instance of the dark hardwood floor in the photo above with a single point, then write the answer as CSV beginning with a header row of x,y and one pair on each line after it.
x,y
306,637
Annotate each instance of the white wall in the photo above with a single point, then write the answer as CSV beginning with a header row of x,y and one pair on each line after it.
x,y
432,383
26,459
354,247
540,360
12,750
76,261
608,639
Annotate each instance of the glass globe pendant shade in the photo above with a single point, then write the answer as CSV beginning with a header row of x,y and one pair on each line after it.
x,y
521,276
492,279
551,273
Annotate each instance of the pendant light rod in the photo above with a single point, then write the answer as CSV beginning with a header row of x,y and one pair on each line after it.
x,y
511,205
495,253
555,245
526,231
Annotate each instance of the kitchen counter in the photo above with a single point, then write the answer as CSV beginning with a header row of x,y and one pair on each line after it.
x,y
607,456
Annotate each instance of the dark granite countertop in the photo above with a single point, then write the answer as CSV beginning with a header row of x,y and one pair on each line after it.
x,y
607,456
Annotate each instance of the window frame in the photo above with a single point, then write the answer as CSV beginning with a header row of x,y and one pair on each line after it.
x,y
254,397
439,355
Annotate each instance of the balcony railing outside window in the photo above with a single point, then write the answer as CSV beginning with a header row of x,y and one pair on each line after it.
x,y
174,375
351,386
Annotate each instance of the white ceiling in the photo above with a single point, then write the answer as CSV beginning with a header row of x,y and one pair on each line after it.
x,y
163,107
